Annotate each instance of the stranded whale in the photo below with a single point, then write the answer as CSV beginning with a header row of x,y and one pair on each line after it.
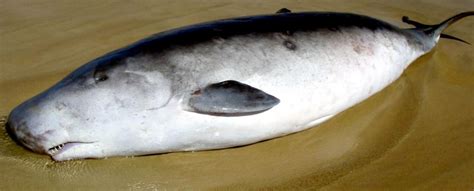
x,y
220,84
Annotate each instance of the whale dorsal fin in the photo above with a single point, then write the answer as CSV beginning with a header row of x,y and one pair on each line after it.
x,y
230,98
283,10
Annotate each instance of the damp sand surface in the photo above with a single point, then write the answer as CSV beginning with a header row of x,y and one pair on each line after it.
x,y
418,133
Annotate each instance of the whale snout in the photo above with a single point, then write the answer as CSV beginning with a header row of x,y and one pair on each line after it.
x,y
25,126
21,132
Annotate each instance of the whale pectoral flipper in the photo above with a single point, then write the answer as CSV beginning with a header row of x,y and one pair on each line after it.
x,y
231,98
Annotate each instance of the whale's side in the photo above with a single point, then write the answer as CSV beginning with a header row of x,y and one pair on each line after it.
x,y
217,85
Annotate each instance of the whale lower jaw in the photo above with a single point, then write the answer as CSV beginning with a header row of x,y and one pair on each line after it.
x,y
76,150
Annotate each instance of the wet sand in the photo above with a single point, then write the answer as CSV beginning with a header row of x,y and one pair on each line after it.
x,y
416,134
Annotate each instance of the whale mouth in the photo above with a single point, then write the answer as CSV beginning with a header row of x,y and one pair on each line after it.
x,y
55,150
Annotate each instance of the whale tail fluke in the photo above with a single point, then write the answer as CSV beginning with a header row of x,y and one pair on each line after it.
x,y
435,31
453,38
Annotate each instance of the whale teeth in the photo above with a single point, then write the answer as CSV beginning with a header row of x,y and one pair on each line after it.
x,y
55,149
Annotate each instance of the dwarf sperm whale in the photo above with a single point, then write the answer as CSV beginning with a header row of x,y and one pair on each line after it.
x,y
220,84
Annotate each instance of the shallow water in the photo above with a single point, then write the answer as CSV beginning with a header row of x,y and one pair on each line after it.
x,y
418,133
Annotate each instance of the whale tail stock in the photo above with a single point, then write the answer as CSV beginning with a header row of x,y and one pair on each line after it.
x,y
435,31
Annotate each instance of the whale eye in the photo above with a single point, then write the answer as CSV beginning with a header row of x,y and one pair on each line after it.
x,y
100,76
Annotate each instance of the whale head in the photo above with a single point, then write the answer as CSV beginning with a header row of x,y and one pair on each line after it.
x,y
87,114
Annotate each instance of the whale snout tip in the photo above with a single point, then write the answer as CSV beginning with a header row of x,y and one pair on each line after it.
x,y
18,132
12,126
23,132
11,132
